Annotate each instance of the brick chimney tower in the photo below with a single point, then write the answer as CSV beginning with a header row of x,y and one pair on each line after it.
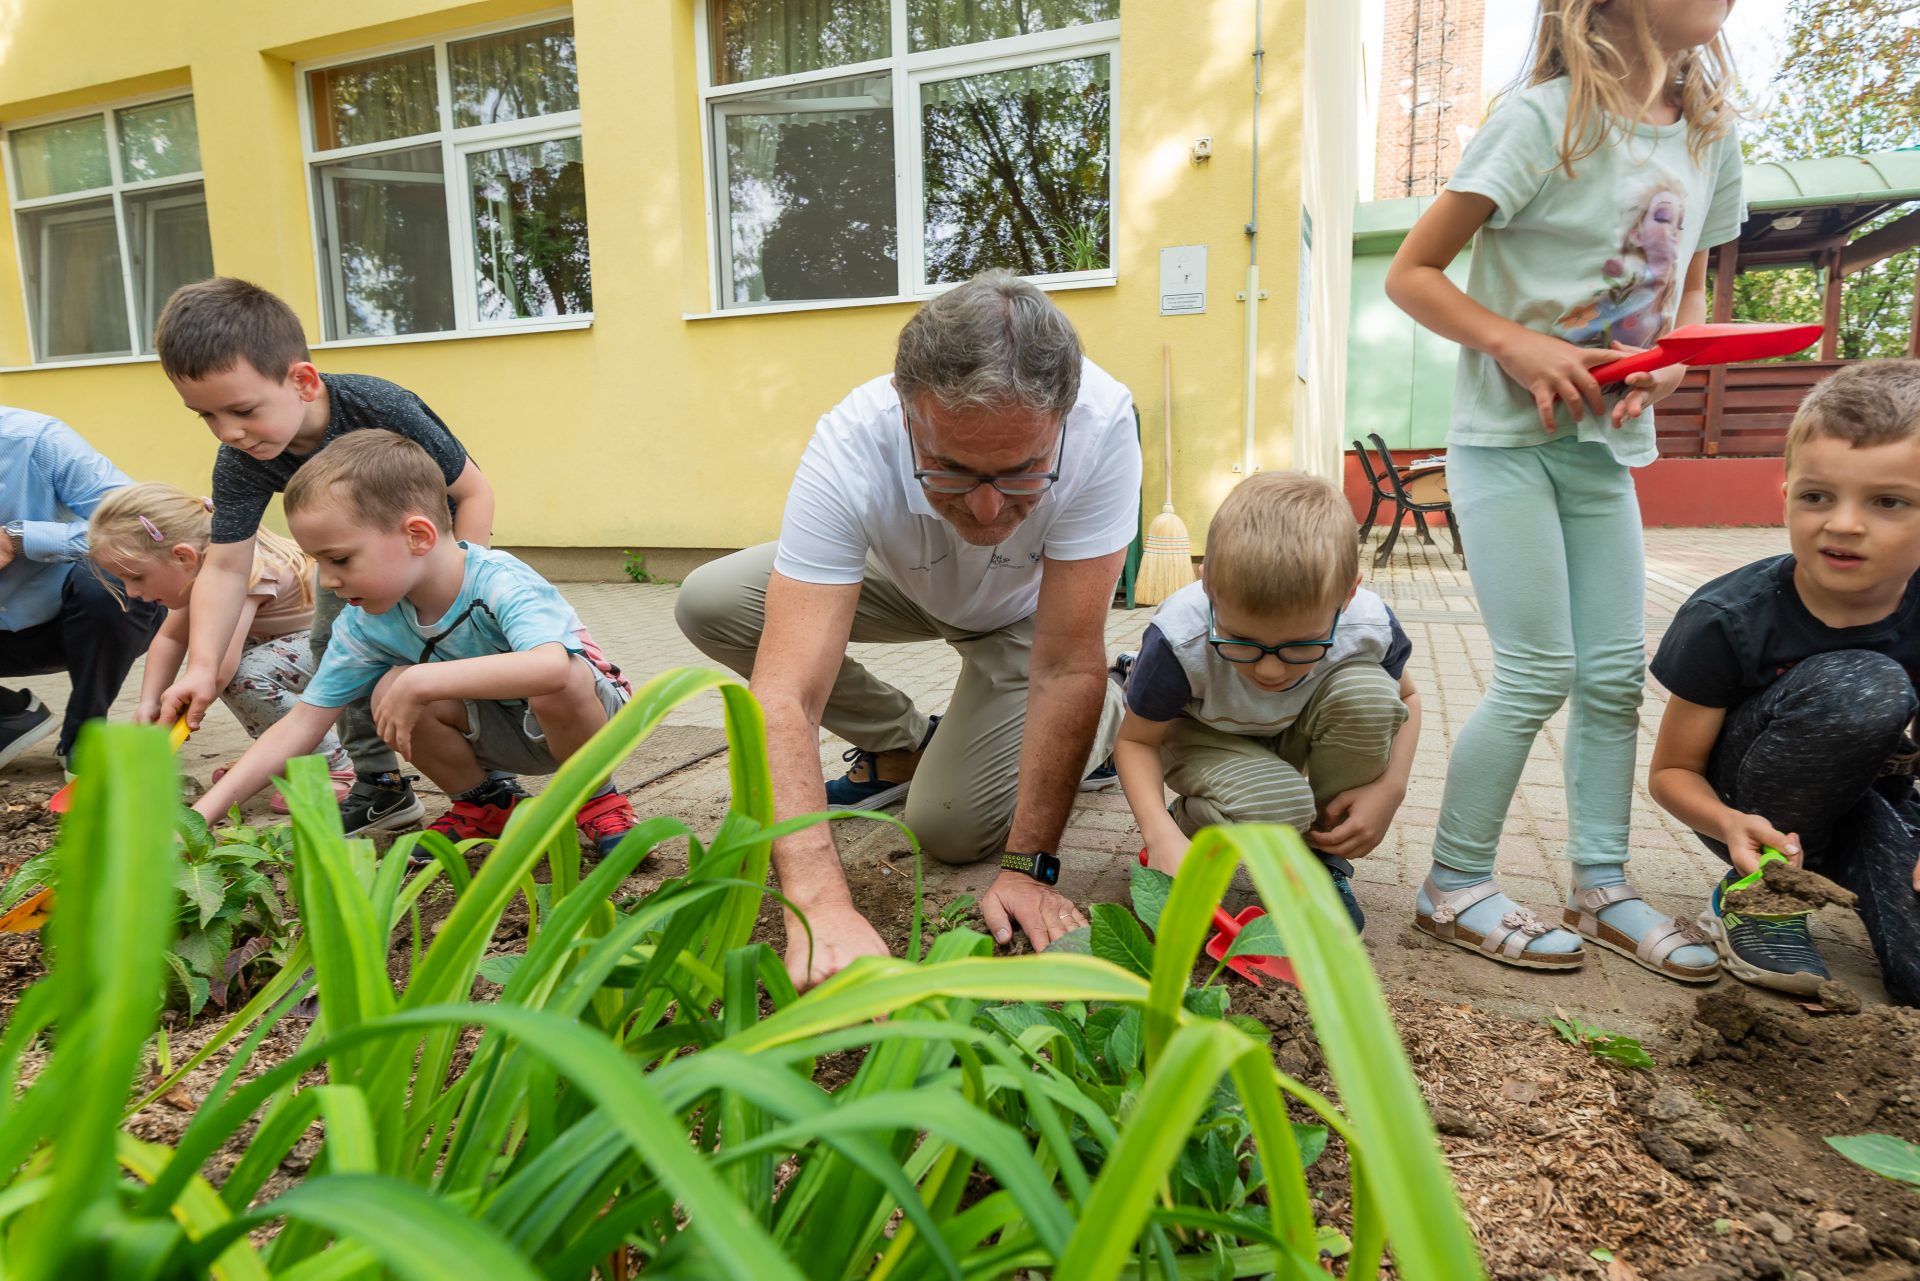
x,y
1429,93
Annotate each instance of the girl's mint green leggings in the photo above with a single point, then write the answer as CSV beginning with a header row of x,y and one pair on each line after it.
x,y
1552,534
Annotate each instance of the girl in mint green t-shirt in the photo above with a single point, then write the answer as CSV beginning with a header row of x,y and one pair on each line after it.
x,y
1595,192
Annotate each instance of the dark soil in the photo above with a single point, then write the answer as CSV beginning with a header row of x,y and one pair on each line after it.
x,y
1761,1084
1784,889
26,829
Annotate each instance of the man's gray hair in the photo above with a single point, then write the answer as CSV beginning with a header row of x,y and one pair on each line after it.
x,y
994,343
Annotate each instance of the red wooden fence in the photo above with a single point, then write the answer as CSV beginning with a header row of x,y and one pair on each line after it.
x,y
1736,411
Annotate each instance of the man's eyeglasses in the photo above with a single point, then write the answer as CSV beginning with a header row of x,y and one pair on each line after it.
x,y
1298,653
1018,485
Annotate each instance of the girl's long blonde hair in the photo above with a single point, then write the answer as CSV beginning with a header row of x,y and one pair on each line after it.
x,y
142,522
1569,42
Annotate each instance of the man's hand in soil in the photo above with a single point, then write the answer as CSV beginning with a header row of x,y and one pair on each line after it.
x,y
840,936
1744,834
1044,914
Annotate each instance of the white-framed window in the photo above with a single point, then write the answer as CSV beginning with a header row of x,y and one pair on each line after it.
x,y
874,149
110,216
448,184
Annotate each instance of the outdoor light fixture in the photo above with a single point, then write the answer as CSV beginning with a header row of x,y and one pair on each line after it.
x,y
1787,222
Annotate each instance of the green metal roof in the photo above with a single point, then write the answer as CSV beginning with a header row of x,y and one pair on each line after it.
x,y
1888,178
1891,177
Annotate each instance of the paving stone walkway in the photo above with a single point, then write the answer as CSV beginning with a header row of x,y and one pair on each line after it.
x,y
1452,664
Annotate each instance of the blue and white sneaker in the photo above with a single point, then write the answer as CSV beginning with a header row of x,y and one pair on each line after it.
x,y
1766,951
1343,886
1102,777
877,778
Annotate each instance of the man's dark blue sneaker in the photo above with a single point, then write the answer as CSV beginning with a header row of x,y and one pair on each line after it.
x,y
1103,776
1766,951
877,778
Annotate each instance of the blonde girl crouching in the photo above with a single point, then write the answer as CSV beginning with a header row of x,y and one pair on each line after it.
x,y
153,538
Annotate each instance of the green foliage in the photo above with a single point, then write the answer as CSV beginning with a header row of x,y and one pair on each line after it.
x,y
1848,84
1886,1155
951,915
635,567
1624,1050
232,925
644,1085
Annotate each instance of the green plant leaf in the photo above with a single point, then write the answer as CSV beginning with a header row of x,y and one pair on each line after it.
x,y
1208,1002
1259,937
1624,1050
1312,1140
1124,1044
1078,942
1149,893
498,969
1886,1155
1118,938
193,831
206,892
38,872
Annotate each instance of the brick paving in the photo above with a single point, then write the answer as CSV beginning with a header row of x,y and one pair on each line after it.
x,y
1452,664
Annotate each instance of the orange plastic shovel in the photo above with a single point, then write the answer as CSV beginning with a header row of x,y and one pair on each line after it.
x,y
63,798
1710,345
1228,929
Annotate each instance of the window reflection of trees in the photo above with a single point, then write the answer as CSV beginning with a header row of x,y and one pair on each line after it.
x,y
1017,167
530,231
810,195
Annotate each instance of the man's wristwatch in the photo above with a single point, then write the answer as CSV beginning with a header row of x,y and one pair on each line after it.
x,y
1044,868
16,532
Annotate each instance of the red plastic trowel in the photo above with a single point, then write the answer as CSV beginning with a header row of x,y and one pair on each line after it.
x,y
1710,345
1246,966
61,799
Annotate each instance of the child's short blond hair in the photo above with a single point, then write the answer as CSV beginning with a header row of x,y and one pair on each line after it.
x,y
1872,403
1283,541
380,477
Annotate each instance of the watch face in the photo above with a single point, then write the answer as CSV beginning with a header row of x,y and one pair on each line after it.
x,y
1046,869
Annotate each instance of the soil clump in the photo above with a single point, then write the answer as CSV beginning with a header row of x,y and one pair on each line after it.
x,y
1784,890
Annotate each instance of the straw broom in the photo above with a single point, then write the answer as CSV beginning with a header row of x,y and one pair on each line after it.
x,y
1167,563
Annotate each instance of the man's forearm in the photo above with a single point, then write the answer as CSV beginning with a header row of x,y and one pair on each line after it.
x,y
1063,713
807,862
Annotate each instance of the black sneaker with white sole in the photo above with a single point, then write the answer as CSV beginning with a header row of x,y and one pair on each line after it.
x,y
381,803
21,730
1767,951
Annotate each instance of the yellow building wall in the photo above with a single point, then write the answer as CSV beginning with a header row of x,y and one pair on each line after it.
x,y
657,427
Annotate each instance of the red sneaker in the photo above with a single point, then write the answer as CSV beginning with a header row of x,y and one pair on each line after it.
x,y
472,820
604,820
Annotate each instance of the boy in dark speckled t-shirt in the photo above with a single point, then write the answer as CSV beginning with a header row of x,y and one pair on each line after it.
x,y
1792,684
238,357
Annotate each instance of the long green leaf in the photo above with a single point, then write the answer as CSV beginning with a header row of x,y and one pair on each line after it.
x,y
108,936
1886,1155
1404,1165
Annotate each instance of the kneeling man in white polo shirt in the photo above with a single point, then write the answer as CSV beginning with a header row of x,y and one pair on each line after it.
x,y
983,495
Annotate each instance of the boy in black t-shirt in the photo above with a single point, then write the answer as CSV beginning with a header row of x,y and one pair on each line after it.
x,y
1792,684
238,357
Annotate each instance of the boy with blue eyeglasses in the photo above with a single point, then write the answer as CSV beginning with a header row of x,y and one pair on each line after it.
x,y
1274,690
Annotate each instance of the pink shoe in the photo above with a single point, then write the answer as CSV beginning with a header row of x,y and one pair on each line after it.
x,y
342,784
